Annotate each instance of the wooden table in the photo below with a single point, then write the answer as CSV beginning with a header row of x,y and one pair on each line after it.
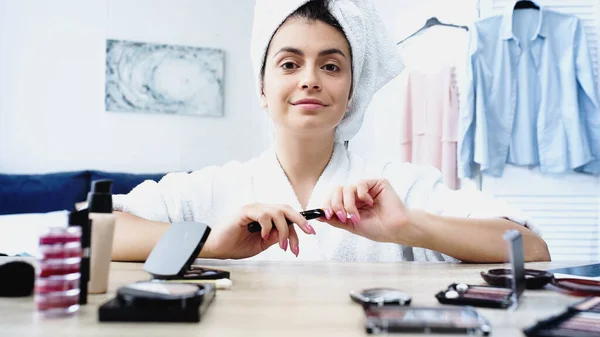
x,y
287,299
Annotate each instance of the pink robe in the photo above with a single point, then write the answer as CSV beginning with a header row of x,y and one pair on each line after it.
x,y
428,135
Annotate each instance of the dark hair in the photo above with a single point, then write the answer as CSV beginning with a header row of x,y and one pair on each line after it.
x,y
313,10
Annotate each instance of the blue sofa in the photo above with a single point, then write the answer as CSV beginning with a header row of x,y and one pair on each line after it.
x,y
41,193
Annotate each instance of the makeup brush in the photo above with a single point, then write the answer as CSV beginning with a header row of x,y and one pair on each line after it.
x,y
254,226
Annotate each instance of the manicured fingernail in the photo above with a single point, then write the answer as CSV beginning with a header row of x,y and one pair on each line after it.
x,y
327,213
296,250
354,219
311,228
341,216
284,246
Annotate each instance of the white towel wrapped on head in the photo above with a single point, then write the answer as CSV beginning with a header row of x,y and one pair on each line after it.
x,y
375,59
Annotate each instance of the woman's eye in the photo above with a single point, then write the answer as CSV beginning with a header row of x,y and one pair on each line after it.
x,y
331,67
288,66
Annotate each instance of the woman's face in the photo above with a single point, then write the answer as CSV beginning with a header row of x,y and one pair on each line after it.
x,y
307,77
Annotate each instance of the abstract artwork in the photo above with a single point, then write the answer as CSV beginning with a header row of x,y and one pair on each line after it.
x,y
159,78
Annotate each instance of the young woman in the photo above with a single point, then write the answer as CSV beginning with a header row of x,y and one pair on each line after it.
x,y
314,77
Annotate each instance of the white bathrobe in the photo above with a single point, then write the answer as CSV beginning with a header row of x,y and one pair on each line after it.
x,y
215,194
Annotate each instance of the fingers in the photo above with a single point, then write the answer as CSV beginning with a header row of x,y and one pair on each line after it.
x,y
337,204
294,241
269,241
349,194
298,219
362,192
266,224
343,204
282,228
345,201
274,221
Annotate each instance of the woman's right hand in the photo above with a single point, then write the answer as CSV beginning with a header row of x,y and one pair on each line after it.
x,y
234,241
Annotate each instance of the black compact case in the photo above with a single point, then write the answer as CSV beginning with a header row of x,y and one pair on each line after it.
x,y
171,259
173,256
158,302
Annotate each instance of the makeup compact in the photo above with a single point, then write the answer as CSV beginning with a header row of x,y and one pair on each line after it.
x,y
511,283
534,279
255,227
391,319
169,296
380,297
173,256
477,296
158,302
579,320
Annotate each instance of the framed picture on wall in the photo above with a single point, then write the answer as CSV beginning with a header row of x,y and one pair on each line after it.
x,y
166,79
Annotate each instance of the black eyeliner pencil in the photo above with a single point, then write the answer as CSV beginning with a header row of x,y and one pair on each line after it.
x,y
254,226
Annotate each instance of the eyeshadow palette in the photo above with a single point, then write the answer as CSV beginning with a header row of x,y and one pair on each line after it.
x,y
580,320
477,296
494,297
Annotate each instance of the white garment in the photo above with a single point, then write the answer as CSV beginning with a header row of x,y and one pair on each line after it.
x,y
375,59
215,194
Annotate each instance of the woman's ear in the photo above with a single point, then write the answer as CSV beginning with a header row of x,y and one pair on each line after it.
x,y
263,100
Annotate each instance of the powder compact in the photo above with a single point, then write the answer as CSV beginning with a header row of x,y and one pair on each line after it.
x,y
579,320
158,302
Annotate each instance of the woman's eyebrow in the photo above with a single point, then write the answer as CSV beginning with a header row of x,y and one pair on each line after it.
x,y
299,52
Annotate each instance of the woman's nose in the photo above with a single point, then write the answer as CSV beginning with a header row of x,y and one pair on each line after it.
x,y
310,81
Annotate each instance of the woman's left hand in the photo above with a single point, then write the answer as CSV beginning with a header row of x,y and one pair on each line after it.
x,y
371,209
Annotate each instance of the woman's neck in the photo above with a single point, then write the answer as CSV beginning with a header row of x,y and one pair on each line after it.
x,y
303,160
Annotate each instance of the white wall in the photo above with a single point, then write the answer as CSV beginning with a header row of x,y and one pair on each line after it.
x,y
52,69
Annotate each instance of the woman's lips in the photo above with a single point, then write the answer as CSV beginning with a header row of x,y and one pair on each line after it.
x,y
309,106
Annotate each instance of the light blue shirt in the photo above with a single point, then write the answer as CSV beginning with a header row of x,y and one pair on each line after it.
x,y
531,98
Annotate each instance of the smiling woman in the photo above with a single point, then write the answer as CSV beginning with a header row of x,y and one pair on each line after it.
x,y
307,79
318,64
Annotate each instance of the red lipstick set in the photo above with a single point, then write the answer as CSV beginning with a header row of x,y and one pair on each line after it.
x,y
58,278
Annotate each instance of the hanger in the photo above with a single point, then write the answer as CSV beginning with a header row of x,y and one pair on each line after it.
x,y
524,4
433,21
